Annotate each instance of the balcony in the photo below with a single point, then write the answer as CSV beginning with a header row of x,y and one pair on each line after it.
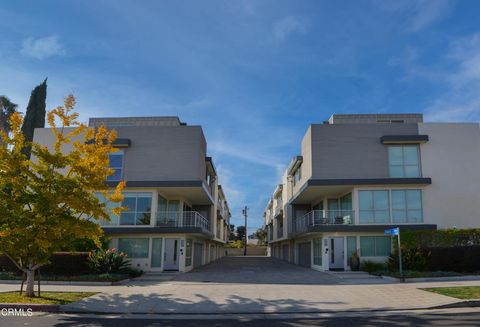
x,y
182,219
278,208
317,218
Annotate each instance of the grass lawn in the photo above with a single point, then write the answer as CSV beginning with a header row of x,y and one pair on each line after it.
x,y
460,292
46,298
78,278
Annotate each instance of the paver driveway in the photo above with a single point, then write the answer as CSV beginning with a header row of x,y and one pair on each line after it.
x,y
256,270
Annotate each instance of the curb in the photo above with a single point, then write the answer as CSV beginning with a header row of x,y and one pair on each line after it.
x,y
432,279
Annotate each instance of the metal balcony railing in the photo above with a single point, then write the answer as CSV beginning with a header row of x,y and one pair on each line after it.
x,y
182,219
324,217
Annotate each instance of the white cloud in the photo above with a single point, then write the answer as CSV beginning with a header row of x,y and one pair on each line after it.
x,y
462,101
286,26
42,48
427,12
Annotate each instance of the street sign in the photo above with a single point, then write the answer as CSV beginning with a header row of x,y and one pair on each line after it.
x,y
393,231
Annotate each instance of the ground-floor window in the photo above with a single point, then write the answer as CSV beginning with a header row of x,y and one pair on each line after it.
x,y
351,247
317,251
375,246
134,247
188,253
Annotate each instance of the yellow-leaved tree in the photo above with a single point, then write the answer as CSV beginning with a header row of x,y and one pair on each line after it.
x,y
51,199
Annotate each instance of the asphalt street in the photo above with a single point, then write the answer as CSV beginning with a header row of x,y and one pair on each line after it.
x,y
453,317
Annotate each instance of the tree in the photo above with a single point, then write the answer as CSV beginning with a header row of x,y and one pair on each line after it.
x,y
35,115
241,233
53,198
232,236
7,108
261,235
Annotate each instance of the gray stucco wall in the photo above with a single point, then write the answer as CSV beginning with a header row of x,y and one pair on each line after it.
x,y
353,150
162,153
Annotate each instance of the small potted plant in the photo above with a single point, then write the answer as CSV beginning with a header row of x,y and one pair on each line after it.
x,y
355,261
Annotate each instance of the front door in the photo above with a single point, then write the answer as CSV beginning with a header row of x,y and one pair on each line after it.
x,y
337,253
171,256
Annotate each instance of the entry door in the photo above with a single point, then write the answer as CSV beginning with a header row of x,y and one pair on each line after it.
x,y
197,255
337,253
171,256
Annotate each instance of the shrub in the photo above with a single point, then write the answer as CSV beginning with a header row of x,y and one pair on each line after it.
x,y
441,238
235,244
61,263
370,266
108,261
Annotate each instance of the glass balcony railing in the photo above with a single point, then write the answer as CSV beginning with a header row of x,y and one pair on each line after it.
x,y
324,217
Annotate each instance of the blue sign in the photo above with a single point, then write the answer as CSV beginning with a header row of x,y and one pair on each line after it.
x,y
393,231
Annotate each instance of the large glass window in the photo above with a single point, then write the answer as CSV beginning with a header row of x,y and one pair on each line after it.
x,y
108,206
404,161
116,164
317,251
134,247
297,175
375,246
407,206
139,206
188,253
374,207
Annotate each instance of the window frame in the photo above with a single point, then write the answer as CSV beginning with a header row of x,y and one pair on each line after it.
x,y
317,253
297,175
403,165
135,238
375,247
121,168
136,212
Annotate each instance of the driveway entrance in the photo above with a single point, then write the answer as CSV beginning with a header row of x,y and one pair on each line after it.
x,y
255,270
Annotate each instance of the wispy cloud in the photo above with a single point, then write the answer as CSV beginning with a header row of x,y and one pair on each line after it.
x,y
286,26
42,48
427,12
462,101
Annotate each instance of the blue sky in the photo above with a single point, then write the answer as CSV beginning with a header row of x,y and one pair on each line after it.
x,y
254,74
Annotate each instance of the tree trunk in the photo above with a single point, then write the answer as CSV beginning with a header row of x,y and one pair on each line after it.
x,y
30,283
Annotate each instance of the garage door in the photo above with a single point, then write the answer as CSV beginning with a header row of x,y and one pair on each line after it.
x,y
197,254
285,252
304,254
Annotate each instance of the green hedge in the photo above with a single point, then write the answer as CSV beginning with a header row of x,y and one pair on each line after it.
x,y
441,238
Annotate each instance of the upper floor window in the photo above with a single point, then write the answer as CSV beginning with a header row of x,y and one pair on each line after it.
x,y
297,175
407,206
404,161
139,206
374,207
116,164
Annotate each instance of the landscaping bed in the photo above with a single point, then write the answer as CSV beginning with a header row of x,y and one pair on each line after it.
x,y
460,292
78,278
51,298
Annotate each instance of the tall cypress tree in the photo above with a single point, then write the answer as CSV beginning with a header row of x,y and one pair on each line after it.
x,y
35,115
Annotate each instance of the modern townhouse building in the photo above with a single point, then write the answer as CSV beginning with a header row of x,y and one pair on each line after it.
x,y
177,216
358,175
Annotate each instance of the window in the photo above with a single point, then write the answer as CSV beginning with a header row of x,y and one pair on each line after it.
x,y
134,247
108,206
351,247
188,253
317,251
374,207
297,175
138,206
404,161
116,164
407,206
375,246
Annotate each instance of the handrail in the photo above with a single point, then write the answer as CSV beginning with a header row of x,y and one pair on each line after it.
x,y
324,217
182,219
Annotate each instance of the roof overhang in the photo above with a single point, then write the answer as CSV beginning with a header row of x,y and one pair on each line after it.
x,y
294,164
313,188
196,192
366,228
210,165
404,139
117,143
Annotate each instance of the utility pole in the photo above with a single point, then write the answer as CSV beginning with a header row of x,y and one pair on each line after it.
x,y
245,214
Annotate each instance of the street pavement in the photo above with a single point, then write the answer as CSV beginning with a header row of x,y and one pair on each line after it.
x,y
255,285
451,317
